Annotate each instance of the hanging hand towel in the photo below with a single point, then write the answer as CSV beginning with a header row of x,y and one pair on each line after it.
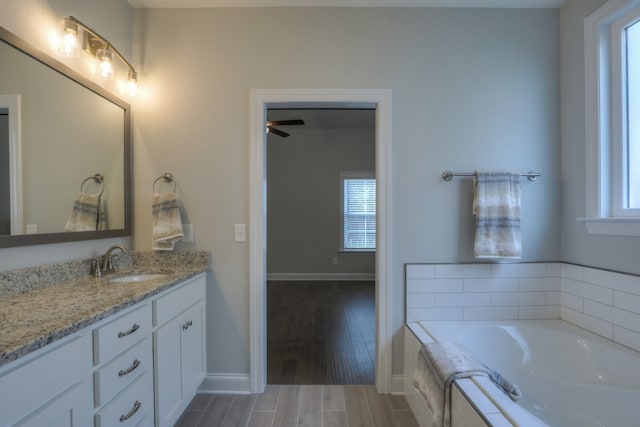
x,y
496,205
85,214
166,222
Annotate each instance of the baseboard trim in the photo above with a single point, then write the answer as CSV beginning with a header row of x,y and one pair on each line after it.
x,y
321,276
226,384
397,384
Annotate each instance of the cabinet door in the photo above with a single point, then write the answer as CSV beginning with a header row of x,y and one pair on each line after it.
x,y
193,350
168,371
73,408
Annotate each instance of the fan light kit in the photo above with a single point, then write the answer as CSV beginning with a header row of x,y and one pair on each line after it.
x,y
98,47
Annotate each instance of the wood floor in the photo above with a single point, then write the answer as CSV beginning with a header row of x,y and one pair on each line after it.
x,y
321,332
300,406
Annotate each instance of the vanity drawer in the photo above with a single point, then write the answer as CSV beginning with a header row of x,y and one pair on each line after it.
x,y
131,406
118,335
115,376
169,306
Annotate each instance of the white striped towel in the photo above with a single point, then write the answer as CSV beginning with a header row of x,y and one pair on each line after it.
x,y
166,222
496,205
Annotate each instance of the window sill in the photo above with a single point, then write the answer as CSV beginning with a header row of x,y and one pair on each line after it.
x,y
357,252
613,226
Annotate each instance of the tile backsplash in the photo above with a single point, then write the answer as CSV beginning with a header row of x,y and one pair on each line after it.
x,y
604,302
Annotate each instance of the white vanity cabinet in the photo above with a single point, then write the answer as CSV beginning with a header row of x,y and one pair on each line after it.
x,y
138,367
179,344
51,386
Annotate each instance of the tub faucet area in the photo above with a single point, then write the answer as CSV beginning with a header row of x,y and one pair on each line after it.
x,y
107,263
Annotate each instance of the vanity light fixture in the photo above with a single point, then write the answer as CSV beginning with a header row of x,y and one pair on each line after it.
x,y
98,47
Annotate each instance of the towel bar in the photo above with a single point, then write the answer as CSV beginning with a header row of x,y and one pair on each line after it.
x,y
98,179
168,177
448,175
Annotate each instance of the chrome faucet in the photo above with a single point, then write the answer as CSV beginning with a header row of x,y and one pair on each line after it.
x,y
107,263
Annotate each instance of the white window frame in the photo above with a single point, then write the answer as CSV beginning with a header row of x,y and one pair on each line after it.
x,y
344,176
604,122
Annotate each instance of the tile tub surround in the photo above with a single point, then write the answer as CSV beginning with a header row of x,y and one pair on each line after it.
x,y
34,318
603,302
482,291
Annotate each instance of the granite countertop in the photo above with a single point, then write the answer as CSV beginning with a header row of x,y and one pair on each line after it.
x,y
33,319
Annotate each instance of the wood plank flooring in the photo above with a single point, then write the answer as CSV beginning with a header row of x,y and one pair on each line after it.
x,y
300,406
320,332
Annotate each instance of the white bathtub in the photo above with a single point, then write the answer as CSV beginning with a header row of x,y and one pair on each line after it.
x,y
568,376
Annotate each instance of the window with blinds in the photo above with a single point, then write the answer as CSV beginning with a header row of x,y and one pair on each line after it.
x,y
358,212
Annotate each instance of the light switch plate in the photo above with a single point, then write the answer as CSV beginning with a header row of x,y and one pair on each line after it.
x,y
187,230
239,232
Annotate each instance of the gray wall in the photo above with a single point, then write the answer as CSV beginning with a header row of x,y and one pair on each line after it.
x,y
303,171
611,252
472,89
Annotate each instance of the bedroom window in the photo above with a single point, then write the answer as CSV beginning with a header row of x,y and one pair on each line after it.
x,y
612,72
358,213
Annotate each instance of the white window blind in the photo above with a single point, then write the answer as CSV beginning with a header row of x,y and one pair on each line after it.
x,y
359,214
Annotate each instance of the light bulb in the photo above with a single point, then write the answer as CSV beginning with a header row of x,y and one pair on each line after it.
x,y
132,84
105,67
70,45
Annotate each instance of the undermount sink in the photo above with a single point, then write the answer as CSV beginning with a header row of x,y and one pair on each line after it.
x,y
138,277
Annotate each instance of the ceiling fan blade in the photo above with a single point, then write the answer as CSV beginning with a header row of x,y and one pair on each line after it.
x,y
285,122
277,132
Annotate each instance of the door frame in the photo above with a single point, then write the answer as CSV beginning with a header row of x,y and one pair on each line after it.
x,y
261,100
13,104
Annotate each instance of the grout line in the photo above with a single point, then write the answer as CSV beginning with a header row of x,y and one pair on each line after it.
x,y
229,409
366,400
298,412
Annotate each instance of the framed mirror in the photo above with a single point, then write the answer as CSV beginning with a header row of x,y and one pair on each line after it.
x,y
65,144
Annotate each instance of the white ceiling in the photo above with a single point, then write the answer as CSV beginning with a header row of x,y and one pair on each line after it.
x,y
346,3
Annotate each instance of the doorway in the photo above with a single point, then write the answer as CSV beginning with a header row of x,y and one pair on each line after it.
x,y
261,100
321,215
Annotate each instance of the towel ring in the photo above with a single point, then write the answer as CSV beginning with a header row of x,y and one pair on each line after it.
x,y
98,179
168,177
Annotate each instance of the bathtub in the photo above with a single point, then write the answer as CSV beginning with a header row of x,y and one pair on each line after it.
x,y
567,375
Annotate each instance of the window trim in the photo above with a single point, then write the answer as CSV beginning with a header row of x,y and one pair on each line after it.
x,y
601,217
343,177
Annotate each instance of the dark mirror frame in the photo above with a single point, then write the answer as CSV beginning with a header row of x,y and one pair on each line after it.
x,y
7,241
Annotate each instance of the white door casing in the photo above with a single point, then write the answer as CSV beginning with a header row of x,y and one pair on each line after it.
x,y
261,100
12,104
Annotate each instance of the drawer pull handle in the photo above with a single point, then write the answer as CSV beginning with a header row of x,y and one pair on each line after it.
x,y
133,410
187,325
133,366
134,328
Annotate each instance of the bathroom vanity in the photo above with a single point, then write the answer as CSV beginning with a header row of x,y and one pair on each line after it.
x,y
99,352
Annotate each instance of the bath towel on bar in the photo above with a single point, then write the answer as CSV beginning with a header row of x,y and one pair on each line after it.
x,y
496,205
439,364
166,222
87,213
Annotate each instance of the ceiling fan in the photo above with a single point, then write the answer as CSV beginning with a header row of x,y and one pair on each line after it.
x,y
271,124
